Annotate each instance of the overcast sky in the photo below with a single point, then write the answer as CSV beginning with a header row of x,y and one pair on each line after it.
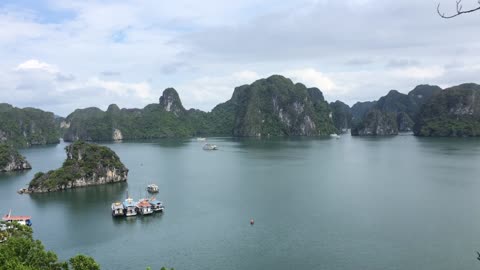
x,y
61,55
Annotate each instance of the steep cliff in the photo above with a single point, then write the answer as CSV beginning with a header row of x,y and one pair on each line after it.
x,y
86,164
341,116
397,109
377,123
27,126
277,107
453,112
11,160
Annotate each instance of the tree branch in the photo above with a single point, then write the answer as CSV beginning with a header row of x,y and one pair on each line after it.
x,y
460,10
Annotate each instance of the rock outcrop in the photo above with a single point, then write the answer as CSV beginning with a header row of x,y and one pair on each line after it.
x,y
170,102
454,112
27,126
277,107
395,109
86,165
11,160
377,123
341,116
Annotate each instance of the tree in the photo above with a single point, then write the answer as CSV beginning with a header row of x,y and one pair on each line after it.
x,y
82,262
459,10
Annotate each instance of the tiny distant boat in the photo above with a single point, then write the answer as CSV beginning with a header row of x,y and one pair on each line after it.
x,y
201,139
117,209
210,146
157,206
152,188
336,136
129,207
22,220
144,207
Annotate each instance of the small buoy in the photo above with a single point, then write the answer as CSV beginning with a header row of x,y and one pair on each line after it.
x,y
251,221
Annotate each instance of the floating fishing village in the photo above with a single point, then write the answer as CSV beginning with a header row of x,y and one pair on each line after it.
x,y
146,206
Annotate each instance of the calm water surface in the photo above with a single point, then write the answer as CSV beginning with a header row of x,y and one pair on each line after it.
x,y
352,203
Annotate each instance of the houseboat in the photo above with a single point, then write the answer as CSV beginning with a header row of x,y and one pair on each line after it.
x,y
152,188
23,220
157,206
144,207
117,209
129,207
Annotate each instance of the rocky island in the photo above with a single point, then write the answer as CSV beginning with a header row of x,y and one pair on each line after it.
x,y
11,160
86,165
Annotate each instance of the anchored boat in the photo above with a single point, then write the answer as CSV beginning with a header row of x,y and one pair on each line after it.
x,y
209,146
129,207
157,206
152,188
144,207
117,209
23,220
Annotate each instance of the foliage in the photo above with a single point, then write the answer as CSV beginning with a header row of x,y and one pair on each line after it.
x,y
83,160
453,112
28,126
239,116
341,115
21,251
8,154
82,262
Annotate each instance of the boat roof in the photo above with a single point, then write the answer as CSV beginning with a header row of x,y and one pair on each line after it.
x,y
128,203
155,202
9,217
143,203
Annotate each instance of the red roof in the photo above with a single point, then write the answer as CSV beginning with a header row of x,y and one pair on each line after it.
x,y
7,217
143,204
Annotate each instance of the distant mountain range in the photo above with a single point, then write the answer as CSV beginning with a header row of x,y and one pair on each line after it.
x,y
274,106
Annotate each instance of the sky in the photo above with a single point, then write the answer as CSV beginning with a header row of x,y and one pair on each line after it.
x,y
63,55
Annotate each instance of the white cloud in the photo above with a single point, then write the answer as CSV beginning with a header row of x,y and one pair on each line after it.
x,y
141,90
311,78
34,64
420,72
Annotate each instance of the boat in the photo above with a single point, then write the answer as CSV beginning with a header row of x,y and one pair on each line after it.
x,y
336,136
129,207
22,220
157,206
117,209
200,139
144,207
152,188
209,146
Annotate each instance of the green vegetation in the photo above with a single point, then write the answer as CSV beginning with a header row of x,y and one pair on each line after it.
x,y
269,107
341,115
21,252
9,156
84,160
453,112
395,109
26,127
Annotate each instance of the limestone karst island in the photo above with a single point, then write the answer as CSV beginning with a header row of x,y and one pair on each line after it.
x,y
239,135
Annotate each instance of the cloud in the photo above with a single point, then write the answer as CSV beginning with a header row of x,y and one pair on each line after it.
x,y
311,77
141,90
420,72
34,64
110,73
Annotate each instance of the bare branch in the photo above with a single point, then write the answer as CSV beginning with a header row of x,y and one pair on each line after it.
x,y
460,10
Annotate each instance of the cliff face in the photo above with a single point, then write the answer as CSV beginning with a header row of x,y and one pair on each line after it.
x,y
341,116
168,118
86,164
277,107
360,109
453,112
11,160
395,109
27,126
377,123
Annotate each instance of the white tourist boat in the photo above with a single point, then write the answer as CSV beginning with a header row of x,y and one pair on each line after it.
x,y
336,136
117,209
157,206
201,139
152,188
209,146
